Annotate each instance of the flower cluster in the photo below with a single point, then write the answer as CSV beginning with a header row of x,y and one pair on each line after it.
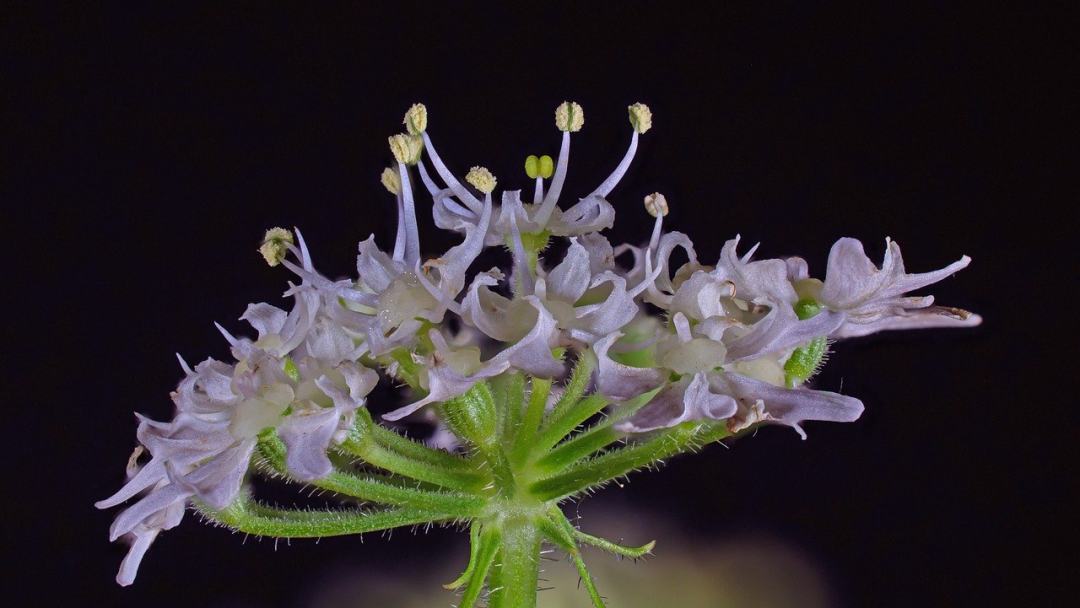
x,y
732,341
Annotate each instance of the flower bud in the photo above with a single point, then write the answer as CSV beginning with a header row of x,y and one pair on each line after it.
x,y
391,181
275,245
406,148
416,119
640,117
656,204
481,179
569,117
539,166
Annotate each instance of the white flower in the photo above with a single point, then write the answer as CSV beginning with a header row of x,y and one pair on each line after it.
x,y
874,299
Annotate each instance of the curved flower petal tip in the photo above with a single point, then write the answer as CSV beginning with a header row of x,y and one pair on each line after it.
x,y
619,381
761,401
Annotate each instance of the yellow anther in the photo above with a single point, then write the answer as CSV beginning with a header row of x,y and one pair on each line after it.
x,y
640,117
656,204
275,245
416,119
481,179
406,148
569,117
391,181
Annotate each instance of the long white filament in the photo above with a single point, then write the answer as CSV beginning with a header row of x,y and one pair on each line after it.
x,y
412,233
521,263
538,194
658,225
557,180
466,197
616,175
399,240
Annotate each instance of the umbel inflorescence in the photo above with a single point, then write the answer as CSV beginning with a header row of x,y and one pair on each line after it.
x,y
544,384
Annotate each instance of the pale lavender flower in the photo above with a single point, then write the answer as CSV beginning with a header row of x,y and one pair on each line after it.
x,y
874,299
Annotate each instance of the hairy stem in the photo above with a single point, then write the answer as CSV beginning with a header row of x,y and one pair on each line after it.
x,y
517,568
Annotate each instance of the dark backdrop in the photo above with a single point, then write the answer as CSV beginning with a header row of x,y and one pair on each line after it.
x,y
149,149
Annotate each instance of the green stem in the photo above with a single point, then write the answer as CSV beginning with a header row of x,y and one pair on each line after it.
x,y
516,573
617,463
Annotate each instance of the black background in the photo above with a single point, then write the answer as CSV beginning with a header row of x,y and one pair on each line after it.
x,y
146,151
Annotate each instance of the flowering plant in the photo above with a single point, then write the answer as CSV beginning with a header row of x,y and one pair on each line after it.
x,y
543,385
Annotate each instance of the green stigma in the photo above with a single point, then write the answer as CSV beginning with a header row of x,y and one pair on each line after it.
x,y
541,166
806,360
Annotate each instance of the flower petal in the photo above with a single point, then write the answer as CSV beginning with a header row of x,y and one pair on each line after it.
x,y
789,406
618,381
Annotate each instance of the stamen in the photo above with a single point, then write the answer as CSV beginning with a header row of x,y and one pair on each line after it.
x,y
429,183
649,279
640,117
657,295
406,148
399,238
481,179
412,233
641,121
521,262
416,119
466,197
613,180
275,245
569,117
544,214
439,295
390,181
657,206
